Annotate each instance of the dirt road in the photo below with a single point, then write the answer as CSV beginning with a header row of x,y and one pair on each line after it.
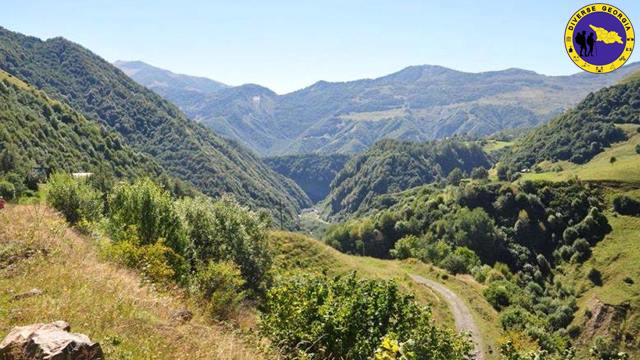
x,y
461,313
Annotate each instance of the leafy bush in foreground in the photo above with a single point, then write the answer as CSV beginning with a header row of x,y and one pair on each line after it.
x,y
222,230
347,318
74,198
147,209
220,285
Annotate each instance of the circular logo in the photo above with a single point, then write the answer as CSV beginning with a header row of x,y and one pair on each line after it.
x,y
599,38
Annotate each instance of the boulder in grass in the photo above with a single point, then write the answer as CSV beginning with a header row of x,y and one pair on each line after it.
x,y
48,341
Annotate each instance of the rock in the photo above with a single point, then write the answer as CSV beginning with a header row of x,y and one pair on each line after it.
x,y
183,315
48,341
28,294
605,320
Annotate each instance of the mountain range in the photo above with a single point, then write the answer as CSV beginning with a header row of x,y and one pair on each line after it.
x,y
417,103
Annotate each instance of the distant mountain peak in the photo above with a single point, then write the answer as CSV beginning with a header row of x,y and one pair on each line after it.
x,y
154,77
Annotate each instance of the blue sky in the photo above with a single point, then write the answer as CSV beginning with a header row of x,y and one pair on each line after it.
x,y
287,45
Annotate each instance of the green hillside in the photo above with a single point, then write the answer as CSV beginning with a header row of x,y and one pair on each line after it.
x,y
39,135
581,133
391,166
615,297
312,172
70,73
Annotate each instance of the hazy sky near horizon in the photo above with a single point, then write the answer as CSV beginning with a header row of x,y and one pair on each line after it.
x,y
288,45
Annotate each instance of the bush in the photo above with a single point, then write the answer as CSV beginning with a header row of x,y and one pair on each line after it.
x,y
7,190
606,349
405,248
582,249
626,205
222,230
455,177
561,318
479,173
460,261
220,285
74,198
595,276
157,262
149,211
517,318
499,294
347,318
638,147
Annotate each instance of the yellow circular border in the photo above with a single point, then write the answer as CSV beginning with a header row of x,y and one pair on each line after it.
x,y
599,69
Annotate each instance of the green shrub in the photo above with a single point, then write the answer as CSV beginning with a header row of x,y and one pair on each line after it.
x,y
147,209
222,230
606,349
347,318
582,249
74,198
574,331
516,317
157,262
7,190
499,293
626,205
595,276
406,247
455,177
460,261
220,285
561,318
479,173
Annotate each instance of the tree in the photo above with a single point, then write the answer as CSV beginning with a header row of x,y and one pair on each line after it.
x,y
74,198
455,177
147,210
638,147
222,230
612,160
7,190
460,261
626,205
479,173
476,230
220,285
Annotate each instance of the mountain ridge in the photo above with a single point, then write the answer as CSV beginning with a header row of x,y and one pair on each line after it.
x,y
419,102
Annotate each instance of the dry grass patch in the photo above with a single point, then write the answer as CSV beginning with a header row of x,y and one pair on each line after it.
x,y
112,305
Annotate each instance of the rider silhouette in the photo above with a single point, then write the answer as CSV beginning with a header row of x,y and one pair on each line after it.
x,y
590,42
581,40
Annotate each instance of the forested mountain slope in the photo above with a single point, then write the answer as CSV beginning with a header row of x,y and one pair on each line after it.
x,y
39,135
417,103
312,172
391,166
189,151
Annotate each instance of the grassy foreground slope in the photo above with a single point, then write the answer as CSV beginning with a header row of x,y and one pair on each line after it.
x,y
111,305
296,252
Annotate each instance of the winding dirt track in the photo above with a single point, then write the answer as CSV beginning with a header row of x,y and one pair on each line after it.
x,y
461,313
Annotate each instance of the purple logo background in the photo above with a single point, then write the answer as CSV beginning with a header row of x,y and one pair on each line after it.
x,y
603,54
